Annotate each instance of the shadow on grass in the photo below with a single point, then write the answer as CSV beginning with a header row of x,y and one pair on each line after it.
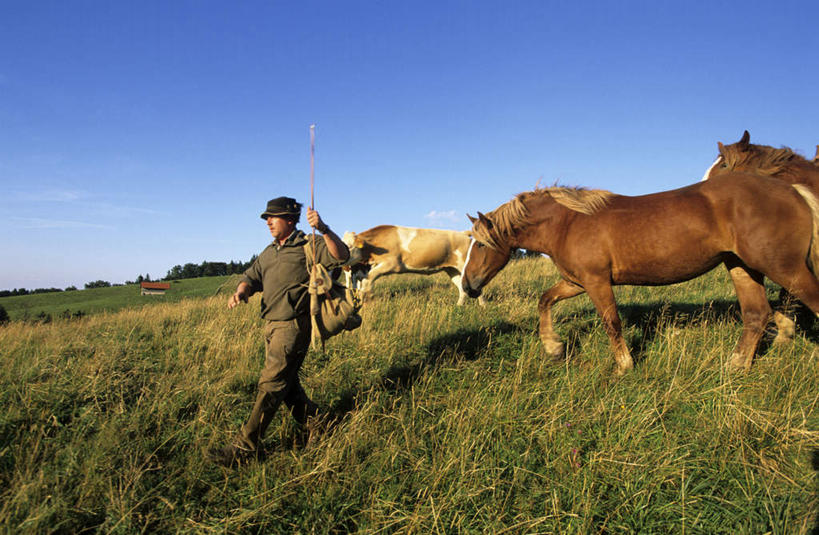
x,y
815,463
463,344
650,318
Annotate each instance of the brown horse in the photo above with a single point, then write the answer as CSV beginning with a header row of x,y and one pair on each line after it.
x,y
598,239
783,163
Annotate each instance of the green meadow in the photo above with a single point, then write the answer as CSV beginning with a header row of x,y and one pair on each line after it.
x,y
437,418
110,299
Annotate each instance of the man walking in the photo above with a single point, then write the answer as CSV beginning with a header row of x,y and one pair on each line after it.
x,y
280,273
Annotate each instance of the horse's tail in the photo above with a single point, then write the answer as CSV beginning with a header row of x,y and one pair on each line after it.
x,y
813,204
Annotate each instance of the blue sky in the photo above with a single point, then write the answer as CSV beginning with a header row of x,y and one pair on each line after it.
x,y
139,135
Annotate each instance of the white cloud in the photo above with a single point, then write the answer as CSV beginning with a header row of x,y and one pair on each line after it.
x,y
52,195
449,216
43,223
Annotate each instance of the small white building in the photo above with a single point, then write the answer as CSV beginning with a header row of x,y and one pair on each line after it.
x,y
153,288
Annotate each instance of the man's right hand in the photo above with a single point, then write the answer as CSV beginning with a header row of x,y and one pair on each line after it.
x,y
236,298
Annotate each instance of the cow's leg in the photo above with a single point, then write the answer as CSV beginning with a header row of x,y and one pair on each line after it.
x,y
455,276
376,271
550,340
348,277
602,295
756,312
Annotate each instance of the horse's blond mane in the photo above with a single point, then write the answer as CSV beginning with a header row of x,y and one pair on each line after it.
x,y
511,216
764,160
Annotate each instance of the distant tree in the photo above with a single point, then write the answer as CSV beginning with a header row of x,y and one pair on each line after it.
x,y
175,273
190,271
4,316
71,288
97,284
16,291
45,290
147,277
213,269
523,253
140,278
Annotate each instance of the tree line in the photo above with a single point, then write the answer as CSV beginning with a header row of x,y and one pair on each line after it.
x,y
188,271
207,269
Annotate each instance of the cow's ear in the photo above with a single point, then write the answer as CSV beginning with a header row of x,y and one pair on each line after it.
x,y
745,141
472,219
485,220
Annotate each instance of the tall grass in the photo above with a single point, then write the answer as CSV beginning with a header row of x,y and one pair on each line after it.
x,y
439,419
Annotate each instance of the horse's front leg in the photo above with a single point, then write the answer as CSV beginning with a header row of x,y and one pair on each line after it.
x,y
756,313
550,340
602,296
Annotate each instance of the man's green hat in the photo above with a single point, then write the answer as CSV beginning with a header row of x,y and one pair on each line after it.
x,y
282,206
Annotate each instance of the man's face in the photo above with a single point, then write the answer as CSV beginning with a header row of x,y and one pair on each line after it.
x,y
280,227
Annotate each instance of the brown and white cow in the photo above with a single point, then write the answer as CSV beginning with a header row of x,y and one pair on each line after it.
x,y
388,249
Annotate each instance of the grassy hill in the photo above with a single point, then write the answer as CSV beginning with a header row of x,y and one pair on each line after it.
x,y
439,420
109,299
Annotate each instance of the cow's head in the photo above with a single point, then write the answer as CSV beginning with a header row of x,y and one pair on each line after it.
x,y
359,252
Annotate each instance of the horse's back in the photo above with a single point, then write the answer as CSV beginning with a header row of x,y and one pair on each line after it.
x,y
679,234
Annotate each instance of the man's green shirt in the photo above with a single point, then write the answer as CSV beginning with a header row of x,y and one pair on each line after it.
x,y
280,273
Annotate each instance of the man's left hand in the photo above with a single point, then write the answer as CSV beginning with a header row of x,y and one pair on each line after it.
x,y
315,221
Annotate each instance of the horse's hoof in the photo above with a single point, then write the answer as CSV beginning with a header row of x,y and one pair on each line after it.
x,y
620,370
554,348
785,328
782,339
737,363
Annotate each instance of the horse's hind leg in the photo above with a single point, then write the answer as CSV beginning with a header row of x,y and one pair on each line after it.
x,y
756,313
802,284
550,340
785,328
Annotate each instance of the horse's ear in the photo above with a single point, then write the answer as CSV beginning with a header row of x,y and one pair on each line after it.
x,y
472,219
485,220
816,158
721,147
746,140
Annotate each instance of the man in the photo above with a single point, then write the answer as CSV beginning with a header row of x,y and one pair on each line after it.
x,y
280,273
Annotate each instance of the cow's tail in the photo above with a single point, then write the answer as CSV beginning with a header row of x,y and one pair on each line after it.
x,y
813,204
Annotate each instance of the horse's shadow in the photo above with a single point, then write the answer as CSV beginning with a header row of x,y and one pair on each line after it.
x,y
650,319
815,463
461,345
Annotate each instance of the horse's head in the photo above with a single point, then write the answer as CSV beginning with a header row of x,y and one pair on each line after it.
x,y
485,258
720,165
764,160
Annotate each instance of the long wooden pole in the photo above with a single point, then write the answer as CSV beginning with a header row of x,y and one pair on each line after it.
x,y
313,181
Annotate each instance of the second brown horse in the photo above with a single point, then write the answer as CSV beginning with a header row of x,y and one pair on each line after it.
x,y
756,227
